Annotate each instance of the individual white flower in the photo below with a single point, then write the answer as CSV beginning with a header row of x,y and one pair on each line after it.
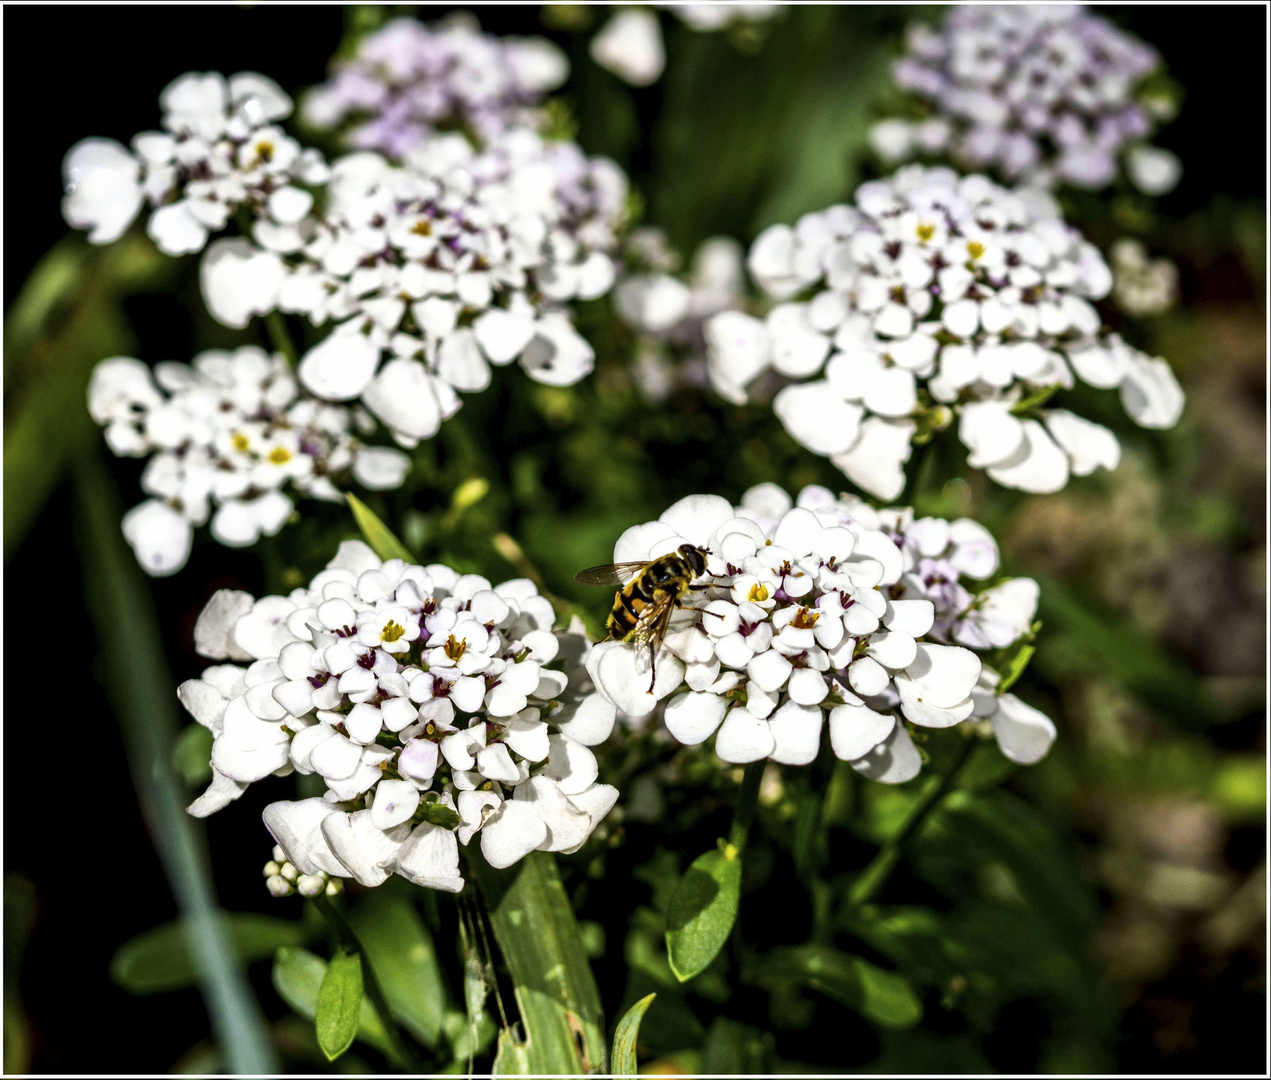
x,y
937,298
1043,95
1142,286
103,189
408,80
711,17
433,705
630,45
229,440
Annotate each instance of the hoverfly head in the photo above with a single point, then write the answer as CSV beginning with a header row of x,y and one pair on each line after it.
x,y
695,557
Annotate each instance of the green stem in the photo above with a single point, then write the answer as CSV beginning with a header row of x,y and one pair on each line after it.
x,y
747,803
872,878
276,325
374,991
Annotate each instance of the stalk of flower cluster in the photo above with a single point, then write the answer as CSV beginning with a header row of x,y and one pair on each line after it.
x,y
370,983
867,883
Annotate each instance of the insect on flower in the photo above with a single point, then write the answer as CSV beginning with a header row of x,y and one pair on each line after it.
x,y
649,594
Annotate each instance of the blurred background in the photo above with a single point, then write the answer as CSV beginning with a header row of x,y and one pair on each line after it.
x,y
1109,910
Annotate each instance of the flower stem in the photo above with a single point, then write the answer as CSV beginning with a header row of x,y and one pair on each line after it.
x,y
405,1052
747,803
276,325
872,878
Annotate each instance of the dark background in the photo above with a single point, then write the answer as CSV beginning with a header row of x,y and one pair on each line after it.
x,y
88,862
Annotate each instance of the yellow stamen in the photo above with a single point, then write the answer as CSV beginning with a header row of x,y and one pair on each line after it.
x,y
392,631
758,593
279,455
974,248
241,442
454,649
926,232
265,150
805,619
423,227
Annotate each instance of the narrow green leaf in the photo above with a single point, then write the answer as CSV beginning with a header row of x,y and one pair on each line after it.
x,y
625,1036
556,992
339,1004
1015,667
513,1057
131,652
159,960
702,911
402,954
882,996
376,533
298,976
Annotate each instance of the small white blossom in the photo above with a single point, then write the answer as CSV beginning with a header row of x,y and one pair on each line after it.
x,y
228,438
937,298
1045,95
1142,286
434,706
630,45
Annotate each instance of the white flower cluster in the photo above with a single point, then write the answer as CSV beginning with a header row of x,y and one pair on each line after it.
x,y
630,43
668,311
814,616
226,437
454,262
938,296
1046,95
220,149
409,80
433,705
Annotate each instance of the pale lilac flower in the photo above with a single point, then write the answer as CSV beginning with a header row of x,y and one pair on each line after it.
x,y
1044,95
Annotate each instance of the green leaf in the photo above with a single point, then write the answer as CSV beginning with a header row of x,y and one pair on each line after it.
x,y
436,813
882,996
298,976
339,1004
625,1036
555,989
131,654
159,960
402,954
1015,667
702,911
376,533
192,754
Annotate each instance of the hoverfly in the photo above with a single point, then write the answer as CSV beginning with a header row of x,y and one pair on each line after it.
x,y
649,594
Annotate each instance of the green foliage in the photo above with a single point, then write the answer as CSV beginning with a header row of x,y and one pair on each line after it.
x,y
339,1004
625,1036
883,996
702,911
298,977
192,754
378,535
159,960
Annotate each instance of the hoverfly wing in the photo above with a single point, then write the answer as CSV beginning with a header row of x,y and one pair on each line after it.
x,y
650,632
615,574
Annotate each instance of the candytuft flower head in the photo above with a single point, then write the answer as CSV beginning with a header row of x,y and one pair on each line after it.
x,y
220,150
229,438
1045,95
825,615
938,298
434,706
410,80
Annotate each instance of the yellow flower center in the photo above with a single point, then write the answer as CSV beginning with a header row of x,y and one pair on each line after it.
x,y
805,619
392,631
758,593
279,455
926,232
454,649
265,150
974,248
423,227
241,442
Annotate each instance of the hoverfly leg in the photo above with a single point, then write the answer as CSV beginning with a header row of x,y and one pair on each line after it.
x,y
653,669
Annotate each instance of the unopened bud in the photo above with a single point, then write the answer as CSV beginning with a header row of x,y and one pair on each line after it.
x,y
311,884
278,886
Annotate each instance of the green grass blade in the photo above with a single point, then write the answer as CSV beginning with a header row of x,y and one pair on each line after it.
x,y
136,676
